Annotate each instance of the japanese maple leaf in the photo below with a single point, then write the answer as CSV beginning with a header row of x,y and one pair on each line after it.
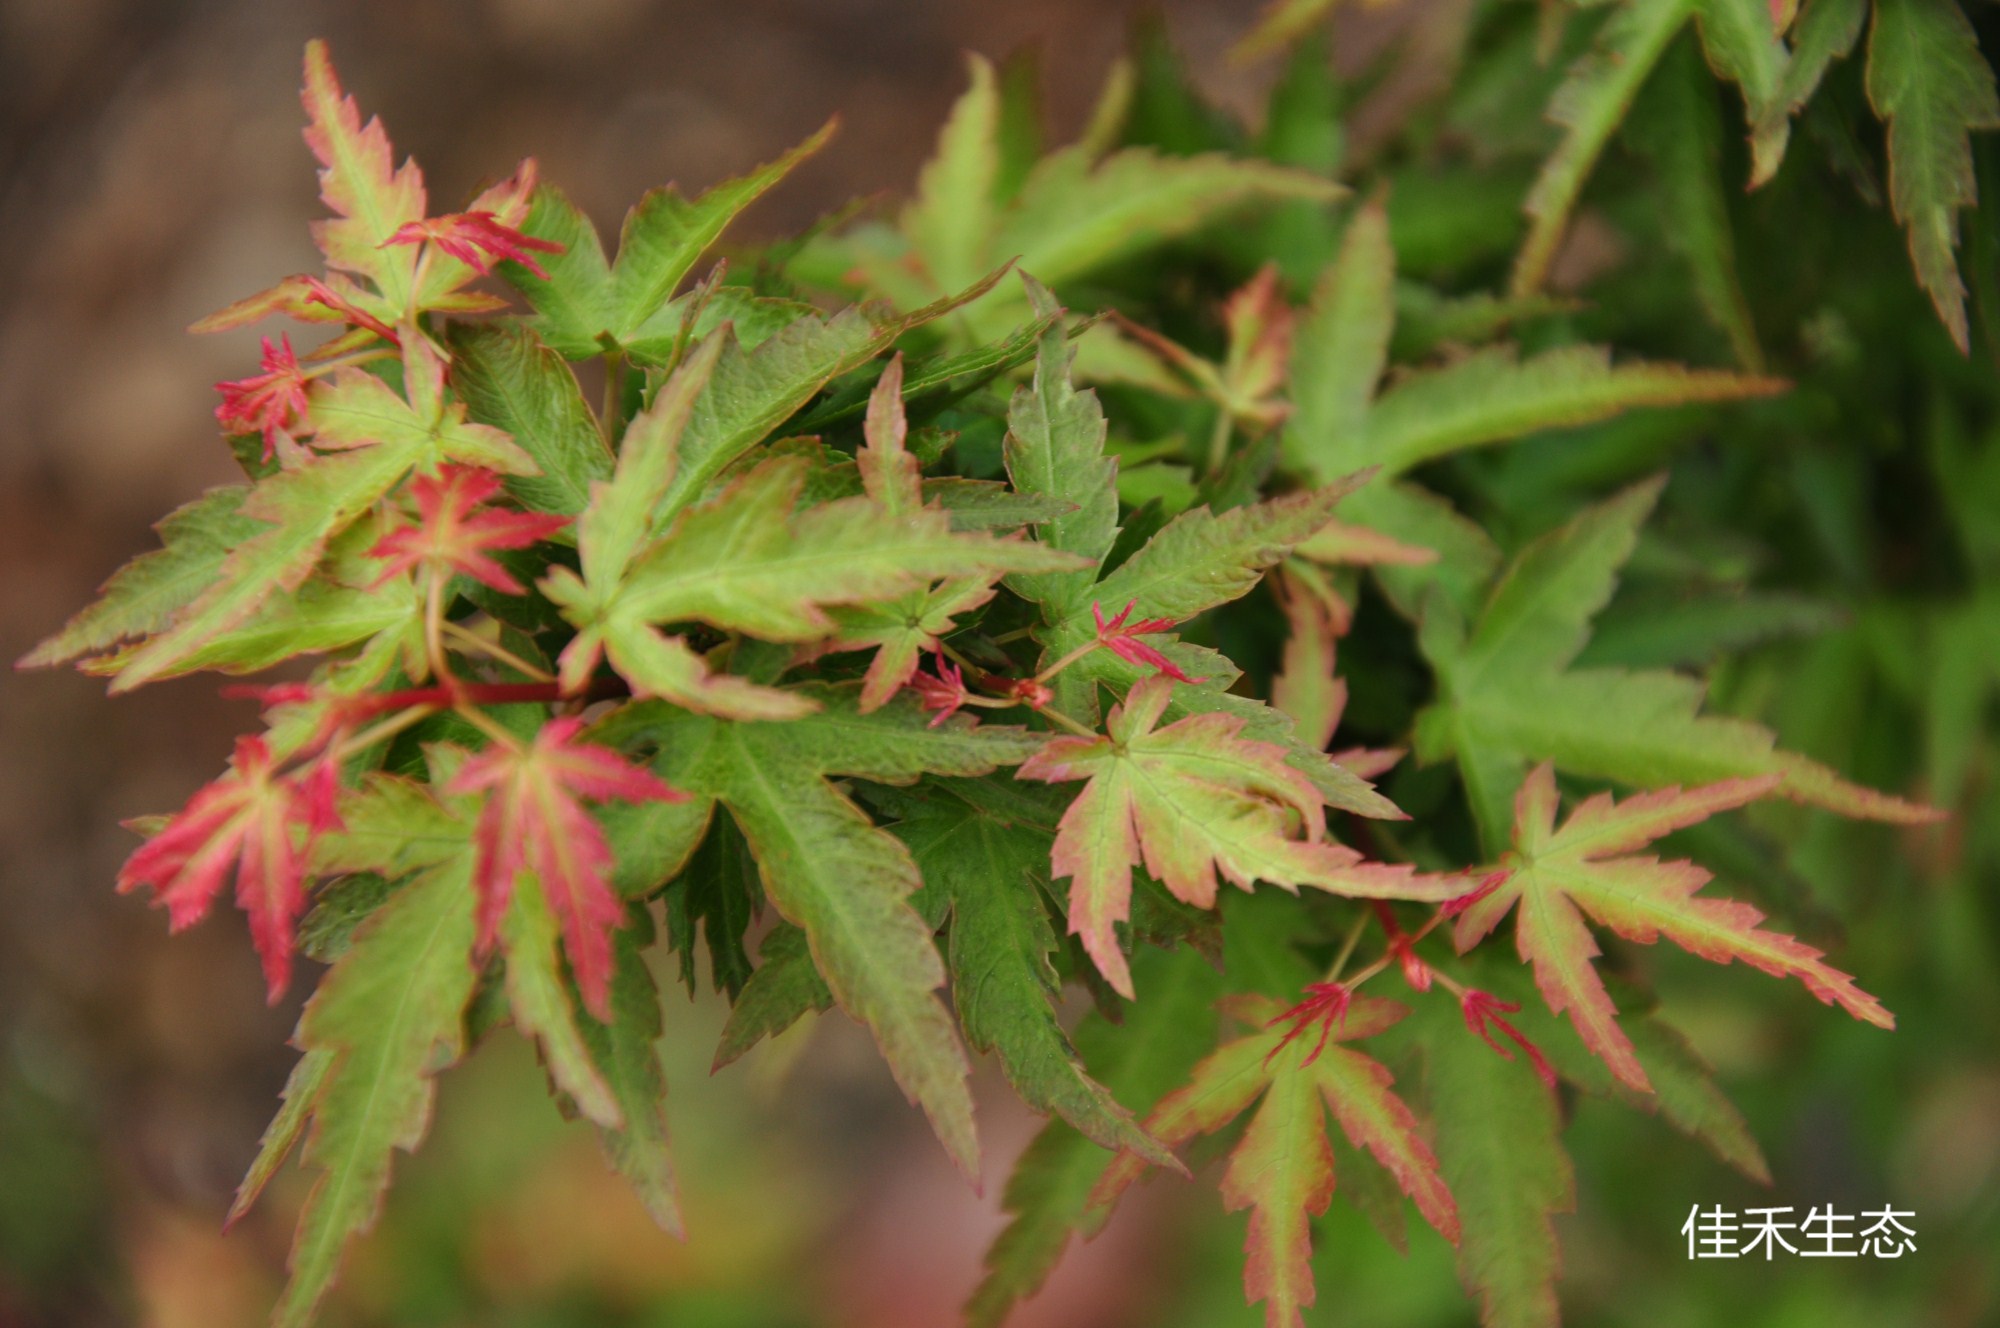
x,y
1191,798
903,628
249,820
478,239
534,820
1282,1168
270,403
1560,876
1247,386
377,211
451,536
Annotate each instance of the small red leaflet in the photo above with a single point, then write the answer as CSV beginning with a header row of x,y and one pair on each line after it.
x,y
478,239
451,537
270,403
1122,639
245,820
943,692
534,820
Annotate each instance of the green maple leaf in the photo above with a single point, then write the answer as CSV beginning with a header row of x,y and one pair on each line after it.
x,y
830,871
384,1021
627,1058
1342,421
1077,210
1191,799
1589,105
1139,1060
985,866
586,305
1557,876
1497,1131
1929,81
145,594
1508,696
1282,1168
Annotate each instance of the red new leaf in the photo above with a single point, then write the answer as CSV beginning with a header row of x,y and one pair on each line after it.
x,y
534,820
253,820
943,692
270,403
478,239
1121,638
451,536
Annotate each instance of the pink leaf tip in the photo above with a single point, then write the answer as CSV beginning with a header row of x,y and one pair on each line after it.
x,y
477,239
1121,638
449,535
1325,1004
269,403
1483,1011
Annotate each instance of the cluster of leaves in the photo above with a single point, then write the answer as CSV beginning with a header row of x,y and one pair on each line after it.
x,y
969,652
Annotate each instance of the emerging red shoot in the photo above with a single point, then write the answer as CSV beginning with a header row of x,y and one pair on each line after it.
x,y
1402,947
477,239
270,403
1483,1011
1122,639
246,821
451,537
943,692
1325,1004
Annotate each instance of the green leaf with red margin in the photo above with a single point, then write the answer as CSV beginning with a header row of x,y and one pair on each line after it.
x,y
1190,799
370,196
1282,1168
586,298
1497,1131
1587,868
830,871
389,1016
539,998
1931,84
1138,1060
1507,696
143,596
303,508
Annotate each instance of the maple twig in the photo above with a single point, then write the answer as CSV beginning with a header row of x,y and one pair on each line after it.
x,y
381,732
480,720
1067,660
498,652
1347,948
1218,440
434,626
614,398
1065,721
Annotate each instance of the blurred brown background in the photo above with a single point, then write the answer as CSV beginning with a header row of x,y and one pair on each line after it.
x,y
151,170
